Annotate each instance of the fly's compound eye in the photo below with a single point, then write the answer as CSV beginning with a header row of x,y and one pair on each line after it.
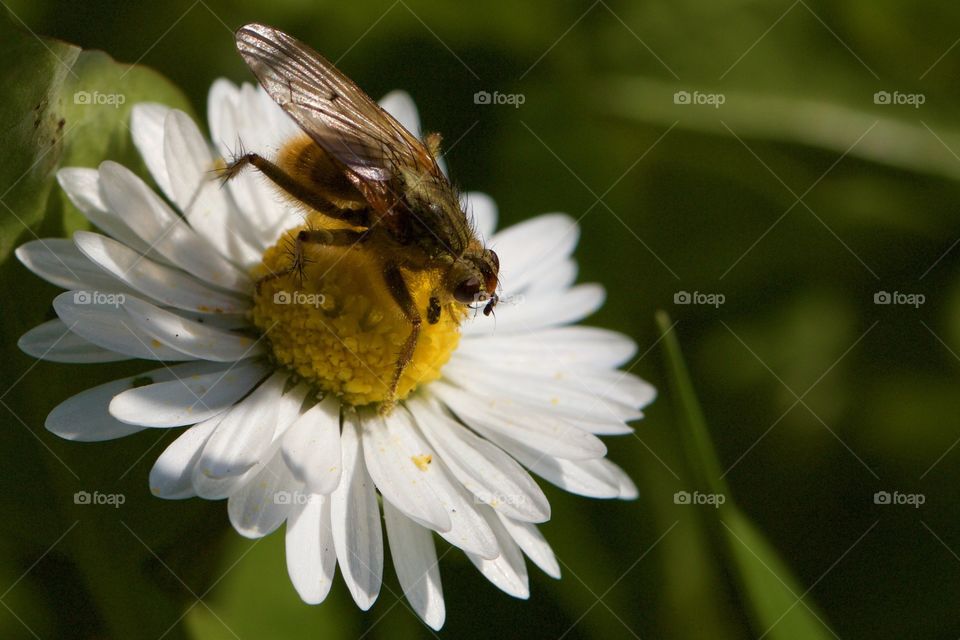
x,y
470,290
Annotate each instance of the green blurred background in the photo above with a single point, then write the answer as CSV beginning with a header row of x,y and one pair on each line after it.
x,y
797,199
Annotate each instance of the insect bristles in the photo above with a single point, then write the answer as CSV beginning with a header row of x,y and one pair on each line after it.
x,y
226,170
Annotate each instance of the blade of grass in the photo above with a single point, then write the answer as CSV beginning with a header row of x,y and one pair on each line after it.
x,y
773,599
922,146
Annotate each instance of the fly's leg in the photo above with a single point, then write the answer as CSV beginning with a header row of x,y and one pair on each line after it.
x,y
321,237
295,188
401,294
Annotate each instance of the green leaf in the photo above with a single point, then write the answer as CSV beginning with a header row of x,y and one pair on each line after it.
x,y
96,100
108,583
63,107
30,116
767,590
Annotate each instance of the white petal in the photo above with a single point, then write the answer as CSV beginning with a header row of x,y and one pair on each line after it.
x,y
53,341
100,319
603,426
59,262
355,519
621,387
482,210
253,110
221,99
561,276
311,447
533,247
245,433
606,389
85,417
224,321
559,397
186,336
583,477
255,203
221,488
261,204
531,314
628,489
532,542
263,503
507,571
311,557
416,474
188,158
82,186
415,560
196,191
189,399
146,125
287,410
397,461
168,286
537,430
551,350
167,233
171,473
582,405
469,531
487,472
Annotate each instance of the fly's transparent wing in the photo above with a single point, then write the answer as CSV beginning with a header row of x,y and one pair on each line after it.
x,y
330,108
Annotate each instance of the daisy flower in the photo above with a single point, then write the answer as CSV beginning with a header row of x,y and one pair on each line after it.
x,y
276,386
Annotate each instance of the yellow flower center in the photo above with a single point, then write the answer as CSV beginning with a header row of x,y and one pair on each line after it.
x,y
339,328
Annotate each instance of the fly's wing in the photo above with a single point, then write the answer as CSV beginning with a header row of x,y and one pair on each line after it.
x,y
334,111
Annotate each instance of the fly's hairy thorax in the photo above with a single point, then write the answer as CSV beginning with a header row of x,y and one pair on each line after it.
x,y
426,214
437,223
